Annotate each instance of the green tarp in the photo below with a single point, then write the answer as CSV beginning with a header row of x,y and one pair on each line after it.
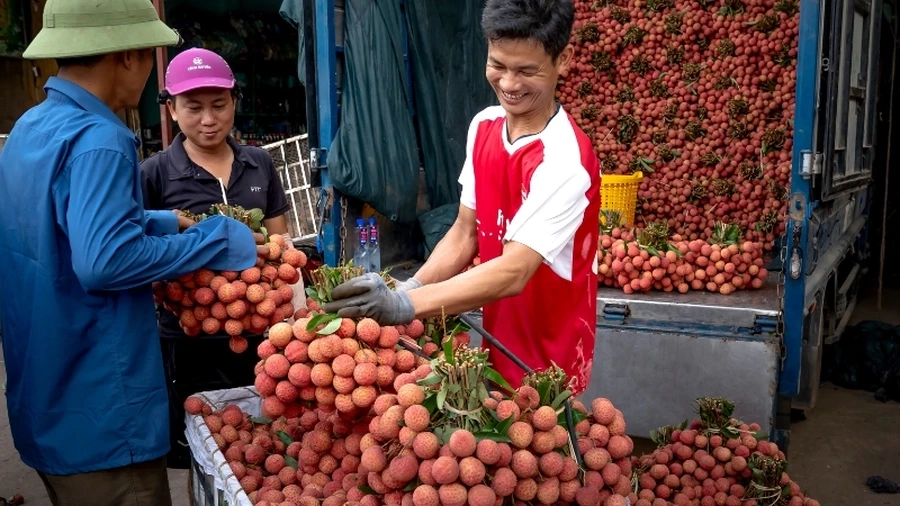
x,y
380,146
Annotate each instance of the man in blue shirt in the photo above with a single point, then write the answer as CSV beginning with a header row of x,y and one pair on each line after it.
x,y
86,392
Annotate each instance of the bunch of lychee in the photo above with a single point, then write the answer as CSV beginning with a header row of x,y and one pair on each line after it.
x,y
345,370
407,462
701,468
310,460
237,303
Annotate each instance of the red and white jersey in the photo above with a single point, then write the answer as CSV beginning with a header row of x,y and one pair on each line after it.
x,y
542,191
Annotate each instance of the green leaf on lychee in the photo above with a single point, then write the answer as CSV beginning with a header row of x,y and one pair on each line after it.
x,y
430,404
367,490
448,356
284,437
495,378
319,319
291,462
493,436
441,397
761,435
256,214
411,486
560,399
503,426
331,328
430,380
261,420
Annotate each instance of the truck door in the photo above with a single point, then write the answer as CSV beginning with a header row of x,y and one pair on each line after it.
x,y
849,75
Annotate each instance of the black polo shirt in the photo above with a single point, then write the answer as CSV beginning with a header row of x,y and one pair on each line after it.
x,y
171,180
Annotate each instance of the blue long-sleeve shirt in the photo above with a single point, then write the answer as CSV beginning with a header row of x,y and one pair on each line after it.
x,y
85,383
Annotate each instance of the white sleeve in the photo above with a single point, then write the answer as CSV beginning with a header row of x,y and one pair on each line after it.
x,y
467,176
553,210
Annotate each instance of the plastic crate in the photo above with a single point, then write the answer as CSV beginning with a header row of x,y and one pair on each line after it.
x,y
211,481
619,193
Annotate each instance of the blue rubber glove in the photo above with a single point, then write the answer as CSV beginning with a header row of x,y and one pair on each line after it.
x,y
367,296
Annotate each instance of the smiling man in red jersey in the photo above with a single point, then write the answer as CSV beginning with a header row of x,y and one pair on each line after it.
x,y
529,207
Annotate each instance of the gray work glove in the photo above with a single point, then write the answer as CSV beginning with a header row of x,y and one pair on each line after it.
x,y
367,296
409,284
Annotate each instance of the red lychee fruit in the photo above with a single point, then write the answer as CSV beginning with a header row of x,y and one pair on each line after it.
x,y
254,454
603,410
277,366
481,495
366,373
620,447
462,443
453,494
410,395
405,362
504,482
234,328
321,375
238,344
281,335
507,408
364,396
426,495
368,331
548,491
426,445
388,338
193,405
415,329
343,365
272,407
526,490
544,418
596,458
471,471
445,470
520,434
417,419
551,464
524,464
487,451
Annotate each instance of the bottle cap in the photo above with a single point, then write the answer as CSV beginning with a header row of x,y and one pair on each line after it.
x,y
360,222
371,221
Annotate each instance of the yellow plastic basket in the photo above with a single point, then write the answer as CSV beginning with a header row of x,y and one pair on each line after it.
x,y
619,193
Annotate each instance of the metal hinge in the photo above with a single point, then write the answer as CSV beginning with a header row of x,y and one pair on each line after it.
x,y
615,313
810,164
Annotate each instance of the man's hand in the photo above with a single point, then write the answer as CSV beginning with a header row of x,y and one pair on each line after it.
x,y
261,248
183,222
405,286
367,296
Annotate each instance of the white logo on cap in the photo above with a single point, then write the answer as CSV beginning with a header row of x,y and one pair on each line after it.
x,y
198,65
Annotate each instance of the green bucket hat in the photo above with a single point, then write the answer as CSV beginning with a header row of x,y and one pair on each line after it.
x,y
74,28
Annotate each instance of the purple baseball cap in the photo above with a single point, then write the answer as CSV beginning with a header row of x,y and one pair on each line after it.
x,y
198,68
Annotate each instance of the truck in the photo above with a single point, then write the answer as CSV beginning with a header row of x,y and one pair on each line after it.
x,y
762,349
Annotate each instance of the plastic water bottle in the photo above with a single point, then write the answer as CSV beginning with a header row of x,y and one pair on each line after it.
x,y
374,249
360,256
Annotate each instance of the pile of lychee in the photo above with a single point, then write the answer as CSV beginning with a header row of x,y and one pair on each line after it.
x,y
237,303
708,468
688,265
309,460
343,364
408,464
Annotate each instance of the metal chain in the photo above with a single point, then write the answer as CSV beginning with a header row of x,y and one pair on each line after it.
x,y
343,230
779,327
